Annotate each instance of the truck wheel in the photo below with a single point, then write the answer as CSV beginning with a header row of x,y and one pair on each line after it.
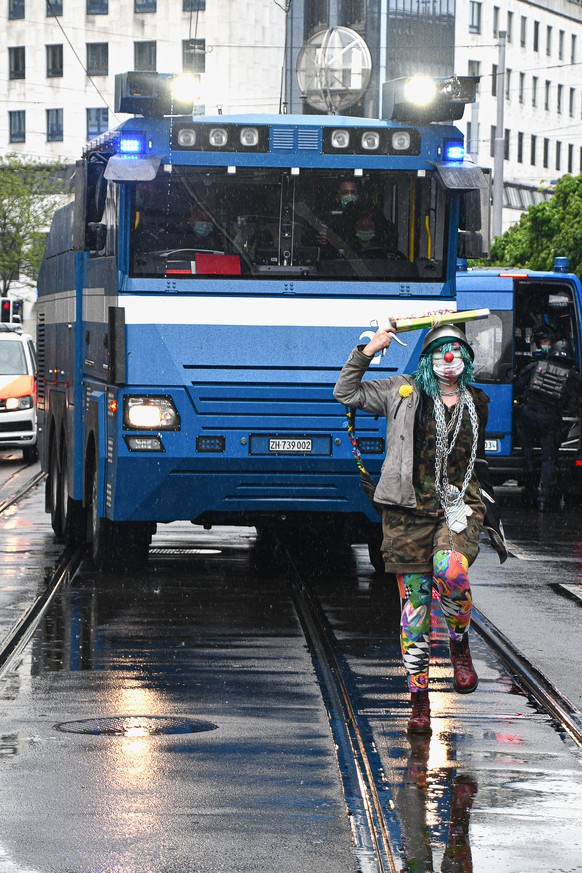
x,y
55,492
116,546
73,518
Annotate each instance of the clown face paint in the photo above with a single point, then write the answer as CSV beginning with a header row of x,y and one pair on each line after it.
x,y
448,366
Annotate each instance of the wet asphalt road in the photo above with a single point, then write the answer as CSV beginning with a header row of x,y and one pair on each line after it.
x,y
201,639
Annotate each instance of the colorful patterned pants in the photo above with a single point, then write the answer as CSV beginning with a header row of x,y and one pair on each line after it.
x,y
450,577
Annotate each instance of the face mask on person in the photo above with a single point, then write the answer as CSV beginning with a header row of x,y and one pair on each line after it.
x,y
202,228
348,199
448,366
365,235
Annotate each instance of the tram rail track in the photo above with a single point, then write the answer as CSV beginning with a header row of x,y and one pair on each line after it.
x,y
21,492
376,849
530,678
22,631
372,831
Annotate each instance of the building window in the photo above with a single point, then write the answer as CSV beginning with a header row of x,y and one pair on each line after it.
x,y
561,37
521,87
546,159
474,17
145,5
144,55
16,62
536,36
548,40
534,143
194,55
54,8
474,69
559,99
570,158
508,84
520,147
193,5
15,9
558,155
54,125
571,102
573,49
547,96
54,60
523,31
509,26
494,80
534,91
17,126
97,7
496,21
97,121
506,140
97,58
492,142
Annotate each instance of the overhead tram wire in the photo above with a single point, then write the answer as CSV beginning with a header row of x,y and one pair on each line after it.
x,y
84,68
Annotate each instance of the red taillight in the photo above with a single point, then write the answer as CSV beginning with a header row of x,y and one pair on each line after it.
x,y
578,462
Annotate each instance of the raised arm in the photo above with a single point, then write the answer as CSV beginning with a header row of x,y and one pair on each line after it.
x,y
351,390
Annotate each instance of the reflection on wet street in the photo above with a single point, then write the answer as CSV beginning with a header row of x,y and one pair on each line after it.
x,y
172,721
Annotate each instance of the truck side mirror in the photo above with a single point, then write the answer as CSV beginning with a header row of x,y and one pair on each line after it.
x,y
95,236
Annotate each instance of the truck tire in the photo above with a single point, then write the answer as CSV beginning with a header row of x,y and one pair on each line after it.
x,y
54,492
73,516
116,546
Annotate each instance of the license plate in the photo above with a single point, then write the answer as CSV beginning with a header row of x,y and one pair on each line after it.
x,y
491,445
289,445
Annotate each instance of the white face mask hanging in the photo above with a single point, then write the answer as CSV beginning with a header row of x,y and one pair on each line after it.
x,y
448,366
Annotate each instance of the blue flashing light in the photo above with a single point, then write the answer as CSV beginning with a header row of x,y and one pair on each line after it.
x,y
130,144
454,151
561,265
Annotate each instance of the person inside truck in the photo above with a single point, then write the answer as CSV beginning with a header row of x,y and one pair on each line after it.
x,y
543,392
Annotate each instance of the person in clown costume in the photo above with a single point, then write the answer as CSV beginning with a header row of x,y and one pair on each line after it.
x,y
432,502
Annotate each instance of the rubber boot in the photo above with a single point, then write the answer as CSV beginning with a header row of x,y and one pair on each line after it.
x,y
465,679
419,721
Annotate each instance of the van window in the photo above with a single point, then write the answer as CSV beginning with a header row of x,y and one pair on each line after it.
x,y
12,360
491,340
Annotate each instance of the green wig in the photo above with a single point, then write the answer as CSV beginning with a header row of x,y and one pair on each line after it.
x,y
424,374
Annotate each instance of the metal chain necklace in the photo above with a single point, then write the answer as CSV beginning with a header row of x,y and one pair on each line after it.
x,y
446,437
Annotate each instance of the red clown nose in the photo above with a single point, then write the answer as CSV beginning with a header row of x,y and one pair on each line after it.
x,y
448,356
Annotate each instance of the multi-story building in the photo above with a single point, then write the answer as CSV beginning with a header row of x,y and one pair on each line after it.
x,y
542,99
60,58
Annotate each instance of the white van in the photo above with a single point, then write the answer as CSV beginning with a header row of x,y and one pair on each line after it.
x,y
18,391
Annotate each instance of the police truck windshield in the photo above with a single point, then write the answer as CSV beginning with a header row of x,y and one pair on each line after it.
x,y
264,223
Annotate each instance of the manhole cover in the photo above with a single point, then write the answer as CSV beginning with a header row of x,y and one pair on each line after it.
x,y
136,726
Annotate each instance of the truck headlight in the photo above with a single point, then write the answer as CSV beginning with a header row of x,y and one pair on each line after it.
x,y
147,412
13,403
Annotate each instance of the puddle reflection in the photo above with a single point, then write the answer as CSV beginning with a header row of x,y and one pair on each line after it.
x,y
434,809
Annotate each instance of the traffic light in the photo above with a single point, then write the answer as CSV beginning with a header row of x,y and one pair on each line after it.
x,y
11,310
17,311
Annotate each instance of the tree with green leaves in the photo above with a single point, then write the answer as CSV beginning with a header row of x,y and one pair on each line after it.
x,y
30,193
547,230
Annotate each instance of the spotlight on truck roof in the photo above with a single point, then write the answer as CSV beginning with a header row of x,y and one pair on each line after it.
x,y
154,94
422,99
